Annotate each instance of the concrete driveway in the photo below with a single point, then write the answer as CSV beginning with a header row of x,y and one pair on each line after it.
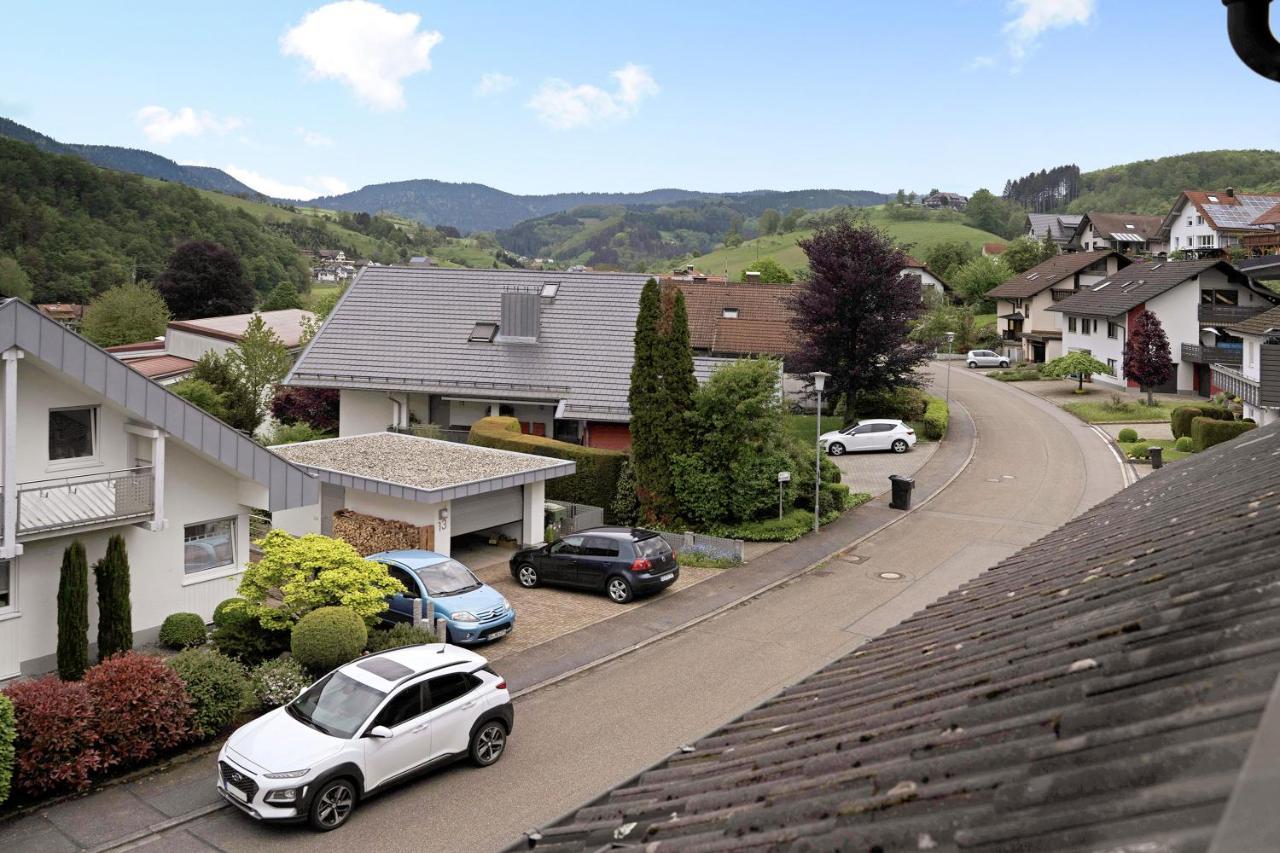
x,y
869,471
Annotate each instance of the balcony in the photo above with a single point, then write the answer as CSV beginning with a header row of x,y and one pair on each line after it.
x,y
1225,315
46,506
1235,384
1010,335
1233,357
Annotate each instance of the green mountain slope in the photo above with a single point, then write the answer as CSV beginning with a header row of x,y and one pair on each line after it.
x,y
1150,186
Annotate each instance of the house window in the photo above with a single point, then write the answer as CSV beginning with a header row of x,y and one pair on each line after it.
x,y
1199,220
72,433
1111,366
1206,239
1071,324
208,545
1113,331
1219,297
1086,326
1188,221
6,586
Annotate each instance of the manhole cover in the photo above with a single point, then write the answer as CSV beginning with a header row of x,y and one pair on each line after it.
x,y
890,576
852,558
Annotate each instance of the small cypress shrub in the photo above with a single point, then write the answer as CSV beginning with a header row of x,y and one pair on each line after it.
x,y
182,630
115,619
218,687
73,614
328,637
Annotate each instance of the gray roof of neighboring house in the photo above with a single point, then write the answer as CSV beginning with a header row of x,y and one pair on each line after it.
x,y
1046,274
61,349
1139,283
1266,323
1109,687
420,469
406,329
1059,225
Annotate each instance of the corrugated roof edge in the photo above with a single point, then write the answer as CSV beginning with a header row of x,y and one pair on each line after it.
x,y
288,485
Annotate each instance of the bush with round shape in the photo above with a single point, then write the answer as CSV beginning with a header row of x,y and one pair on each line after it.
x,y
140,708
183,630
328,637
397,637
278,681
1185,444
240,636
8,733
56,744
217,685
228,610
1127,435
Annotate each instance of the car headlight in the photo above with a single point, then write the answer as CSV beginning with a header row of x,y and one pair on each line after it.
x,y
464,616
289,774
281,795
505,605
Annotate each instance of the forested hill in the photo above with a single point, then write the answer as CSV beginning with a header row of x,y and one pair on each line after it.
x,y
133,160
476,207
1150,186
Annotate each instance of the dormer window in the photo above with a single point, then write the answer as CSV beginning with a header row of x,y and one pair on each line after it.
x,y
484,332
73,433
730,313
1213,198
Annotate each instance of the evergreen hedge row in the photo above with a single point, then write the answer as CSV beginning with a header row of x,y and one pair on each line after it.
x,y
1206,432
1180,418
936,417
596,481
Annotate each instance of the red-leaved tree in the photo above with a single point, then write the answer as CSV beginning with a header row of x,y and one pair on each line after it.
x,y
1147,360
853,316
315,406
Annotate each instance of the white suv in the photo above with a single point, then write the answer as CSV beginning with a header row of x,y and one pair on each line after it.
x,y
361,728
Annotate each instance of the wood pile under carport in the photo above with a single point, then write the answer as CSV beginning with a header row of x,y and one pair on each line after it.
x,y
370,534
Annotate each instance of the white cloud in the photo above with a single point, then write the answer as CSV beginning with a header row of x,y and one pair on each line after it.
x,y
492,83
1034,17
161,125
365,46
980,62
314,139
312,186
564,106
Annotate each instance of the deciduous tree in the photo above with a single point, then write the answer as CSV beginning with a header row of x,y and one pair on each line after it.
x,y
975,277
261,358
1147,359
205,279
13,280
126,314
1025,252
240,408
769,221
1079,364
944,257
771,272
317,407
283,295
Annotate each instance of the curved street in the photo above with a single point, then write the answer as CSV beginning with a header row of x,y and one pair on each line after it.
x,y
1033,468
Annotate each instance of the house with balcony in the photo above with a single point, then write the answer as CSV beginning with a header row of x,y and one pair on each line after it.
x,y
1126,233
1256,379
90,447
1212,221
1028,331
1197,302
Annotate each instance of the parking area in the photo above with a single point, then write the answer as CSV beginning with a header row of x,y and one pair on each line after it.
x,y
545,613
869,472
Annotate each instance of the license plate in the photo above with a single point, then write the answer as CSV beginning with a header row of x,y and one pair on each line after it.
x,y
496,634
668,576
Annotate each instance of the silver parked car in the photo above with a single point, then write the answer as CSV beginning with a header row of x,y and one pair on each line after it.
x,y
985,358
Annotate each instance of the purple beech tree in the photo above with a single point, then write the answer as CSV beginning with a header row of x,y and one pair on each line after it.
x,y
1147,360
853,317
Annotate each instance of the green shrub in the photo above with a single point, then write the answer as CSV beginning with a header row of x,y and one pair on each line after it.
x,y
1138,450
328,637
904,404
73,614
217,685
278,681
936,418
1185,444
1127,434
835,496
115,620
794,524
596,481
8,734
225,612
1180,418
400,635
242,637
182,630
1206,432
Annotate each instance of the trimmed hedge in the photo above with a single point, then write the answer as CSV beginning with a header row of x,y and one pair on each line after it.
x,y
226,611
1180,418
8,733
936,418
398,636
56,748
1127,434
218,686
1206,432
328,637
183,630
596,481
903,403
140,708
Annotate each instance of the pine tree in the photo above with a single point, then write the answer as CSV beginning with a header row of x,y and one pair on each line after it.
x,y
73,613
1147,360
678,380
115,620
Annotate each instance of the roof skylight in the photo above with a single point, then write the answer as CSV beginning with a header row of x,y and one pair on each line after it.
x,y
1213,198
484,332
550,289
730,313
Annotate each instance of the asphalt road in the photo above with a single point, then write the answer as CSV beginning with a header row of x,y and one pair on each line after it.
x,y
1034,468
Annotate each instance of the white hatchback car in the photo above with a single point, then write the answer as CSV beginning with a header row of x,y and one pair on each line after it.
x,y
363,727
985,358
870,434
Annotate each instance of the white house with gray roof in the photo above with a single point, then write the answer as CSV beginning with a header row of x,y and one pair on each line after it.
x,y
90,447
421,345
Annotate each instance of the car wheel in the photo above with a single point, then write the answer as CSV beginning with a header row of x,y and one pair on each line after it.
x,y
488,743
619,590
973,364
1004,364
527,576
899,445
332,805
836,449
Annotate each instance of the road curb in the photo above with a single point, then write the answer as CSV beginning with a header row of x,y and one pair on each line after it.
x,y
153,831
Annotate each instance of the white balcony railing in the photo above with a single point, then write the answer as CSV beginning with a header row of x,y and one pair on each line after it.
x,y
68,502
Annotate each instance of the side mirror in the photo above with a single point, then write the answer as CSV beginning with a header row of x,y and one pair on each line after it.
x,y
381,732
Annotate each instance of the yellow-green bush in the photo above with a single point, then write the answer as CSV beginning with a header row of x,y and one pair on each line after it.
x,y
936,417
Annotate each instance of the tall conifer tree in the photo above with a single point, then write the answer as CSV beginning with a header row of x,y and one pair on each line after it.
x,y
73,613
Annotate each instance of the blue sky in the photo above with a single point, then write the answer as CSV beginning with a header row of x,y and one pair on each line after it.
x,y
566,96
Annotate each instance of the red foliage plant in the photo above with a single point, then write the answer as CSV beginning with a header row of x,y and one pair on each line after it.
x,y
315,406
57,744
141,708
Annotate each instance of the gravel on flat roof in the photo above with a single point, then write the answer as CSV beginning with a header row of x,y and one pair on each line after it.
x,y
423,463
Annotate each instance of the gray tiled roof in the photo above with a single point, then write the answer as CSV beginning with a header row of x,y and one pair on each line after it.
x,y
1098,690
65,351
1265,323
1059,225
1139,283
406,328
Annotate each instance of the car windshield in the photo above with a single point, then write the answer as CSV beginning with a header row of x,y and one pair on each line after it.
x,y
654,546
336,705
448,578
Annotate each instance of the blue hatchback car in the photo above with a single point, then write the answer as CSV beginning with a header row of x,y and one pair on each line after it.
x,y
475,611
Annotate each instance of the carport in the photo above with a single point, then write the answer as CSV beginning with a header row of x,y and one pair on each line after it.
x,y
423,491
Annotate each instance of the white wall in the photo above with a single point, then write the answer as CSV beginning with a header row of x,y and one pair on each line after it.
x,y
361,412
1187,236
1099,345
190,345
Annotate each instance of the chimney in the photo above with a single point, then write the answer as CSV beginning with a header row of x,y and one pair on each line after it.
x,y
753,277
521,316
1231,192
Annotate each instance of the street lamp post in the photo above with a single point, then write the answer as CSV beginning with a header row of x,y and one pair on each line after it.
x,y
951,336
819,382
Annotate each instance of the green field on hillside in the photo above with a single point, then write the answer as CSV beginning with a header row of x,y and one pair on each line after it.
x,y
918,236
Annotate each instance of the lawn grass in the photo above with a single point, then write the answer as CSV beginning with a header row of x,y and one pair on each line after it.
x,y
981,320
1137,450
1127,413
